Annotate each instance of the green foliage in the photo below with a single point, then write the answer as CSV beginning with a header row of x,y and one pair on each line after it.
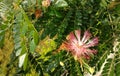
x,y
108,69
38,32
5,24
117,64
25,37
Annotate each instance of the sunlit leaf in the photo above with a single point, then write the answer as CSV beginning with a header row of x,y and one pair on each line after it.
x,y
61,3
32,46
46,45
22,60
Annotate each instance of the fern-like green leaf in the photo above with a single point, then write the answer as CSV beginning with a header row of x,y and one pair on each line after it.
x,y
25,36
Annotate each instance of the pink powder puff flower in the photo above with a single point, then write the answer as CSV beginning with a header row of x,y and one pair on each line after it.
x,y
80,46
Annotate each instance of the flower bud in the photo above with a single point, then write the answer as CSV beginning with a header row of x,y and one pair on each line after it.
x,y
46,3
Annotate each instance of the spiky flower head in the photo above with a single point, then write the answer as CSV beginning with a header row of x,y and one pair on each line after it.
x,y
79,45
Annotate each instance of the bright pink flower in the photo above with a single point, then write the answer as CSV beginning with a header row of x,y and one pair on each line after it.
x,y
80,46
